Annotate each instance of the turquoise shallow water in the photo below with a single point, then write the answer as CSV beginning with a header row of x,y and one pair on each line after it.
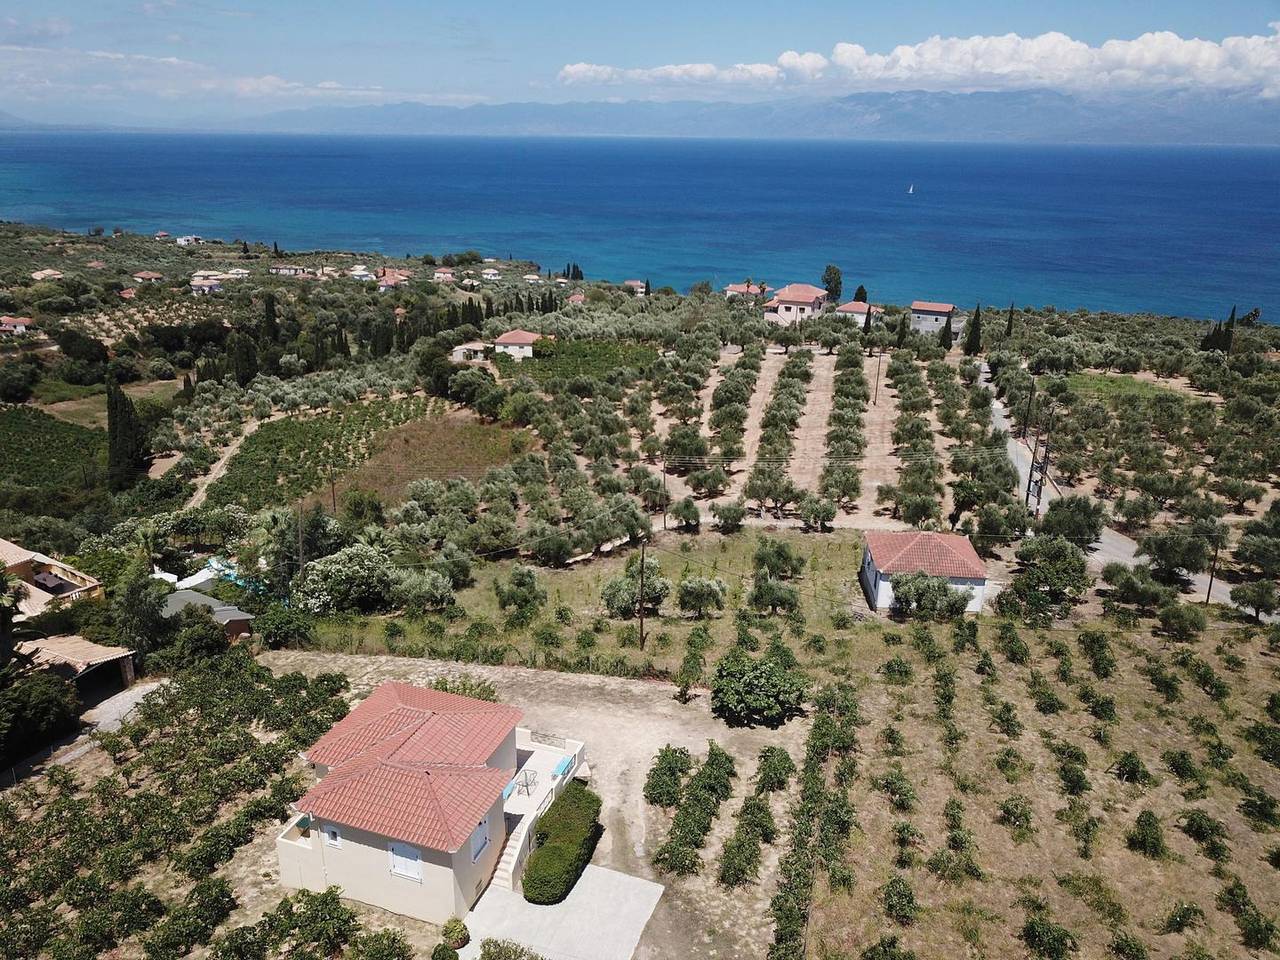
x,y
1173,230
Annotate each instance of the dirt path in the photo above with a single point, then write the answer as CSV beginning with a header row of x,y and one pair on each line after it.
x,y
810,449
219,468
880,464
769,370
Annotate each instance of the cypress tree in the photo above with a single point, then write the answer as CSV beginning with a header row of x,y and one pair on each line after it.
x,y
126,440
973,334
866,323
270,325
860,295
946,336
647,289
1008,324
1229,331
904,324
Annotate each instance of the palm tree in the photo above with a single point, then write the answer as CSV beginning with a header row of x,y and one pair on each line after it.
x,y
12,592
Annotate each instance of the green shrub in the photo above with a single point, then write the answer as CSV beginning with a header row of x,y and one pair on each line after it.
x,y
1047,940
455,932
1015,813
1147,836
775,769
1125,946
571,828
1184,916
662,787
506,950
442,951
899,901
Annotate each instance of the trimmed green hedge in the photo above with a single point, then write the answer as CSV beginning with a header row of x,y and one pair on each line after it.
x,y
567,832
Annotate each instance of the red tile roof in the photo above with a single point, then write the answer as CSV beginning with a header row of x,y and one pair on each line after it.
x,y
411,764
748,288
432,805
922,551
521,338
859,307
800,293
433,726
929,306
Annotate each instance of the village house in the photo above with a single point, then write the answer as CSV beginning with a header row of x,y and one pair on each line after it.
x,y
795,302
860,310
532,278
233,620
946,555
489,273
469,283
636,287
162,235
204,286
41,275
930,317
287,269
128,293
443,275
469,352
517,343
47,582
746,290
189,241
389,281
422,799
237,273
576,297
96,671
147,276
14,326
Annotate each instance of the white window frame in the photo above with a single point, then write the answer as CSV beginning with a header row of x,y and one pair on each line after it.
x,y
332,835
476,854
391,859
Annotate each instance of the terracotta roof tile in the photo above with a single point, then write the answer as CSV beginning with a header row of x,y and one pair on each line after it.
x,y
410,763
800,293
929,306
922,551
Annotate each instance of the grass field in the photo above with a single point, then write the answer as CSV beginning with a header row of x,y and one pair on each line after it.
x,y
39,450
89,407
563,359
287,459
440,446
829,583
1111,386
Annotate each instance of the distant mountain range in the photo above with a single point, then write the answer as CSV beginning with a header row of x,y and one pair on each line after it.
x,y
1020,116
1032,116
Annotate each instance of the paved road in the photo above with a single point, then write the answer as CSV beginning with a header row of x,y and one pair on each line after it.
x,y
1113,545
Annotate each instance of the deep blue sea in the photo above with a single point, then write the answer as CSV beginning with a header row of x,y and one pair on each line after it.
x,y
1173,230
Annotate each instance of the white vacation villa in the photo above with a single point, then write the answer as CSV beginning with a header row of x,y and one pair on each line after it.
x,y
516,343
945,555
423,799
795,302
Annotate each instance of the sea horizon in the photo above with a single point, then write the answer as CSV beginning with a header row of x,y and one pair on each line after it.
x,y
1184,230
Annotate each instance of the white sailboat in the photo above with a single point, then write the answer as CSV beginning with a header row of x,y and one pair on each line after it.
x,y
911,189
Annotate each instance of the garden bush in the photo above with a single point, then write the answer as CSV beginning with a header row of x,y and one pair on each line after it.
x,y
571,828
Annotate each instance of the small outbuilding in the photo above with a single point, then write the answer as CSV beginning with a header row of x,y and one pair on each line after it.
x,y
234,621
469,352
96,671
946,555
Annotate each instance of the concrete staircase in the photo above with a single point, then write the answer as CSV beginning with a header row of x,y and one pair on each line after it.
x,y
504,874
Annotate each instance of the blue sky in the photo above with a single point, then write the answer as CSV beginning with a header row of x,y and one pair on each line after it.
x,y
121,60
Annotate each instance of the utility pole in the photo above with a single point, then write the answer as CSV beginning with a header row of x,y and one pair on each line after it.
x,y
1026,421
1044,464
302,559
640,595
666,499
1213,570
1031,470
875,400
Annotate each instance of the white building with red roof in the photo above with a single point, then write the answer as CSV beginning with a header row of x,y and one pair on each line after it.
x,y
929,316
860,309
746,290
796,301
947,555
516,343
423,798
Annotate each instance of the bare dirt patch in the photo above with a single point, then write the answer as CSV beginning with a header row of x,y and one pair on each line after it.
x,y
810,449
769,369
880,464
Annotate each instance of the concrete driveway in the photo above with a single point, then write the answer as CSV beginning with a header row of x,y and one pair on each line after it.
x,y
601,919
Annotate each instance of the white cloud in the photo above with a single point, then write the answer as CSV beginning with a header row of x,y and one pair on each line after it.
x,y
1151,61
